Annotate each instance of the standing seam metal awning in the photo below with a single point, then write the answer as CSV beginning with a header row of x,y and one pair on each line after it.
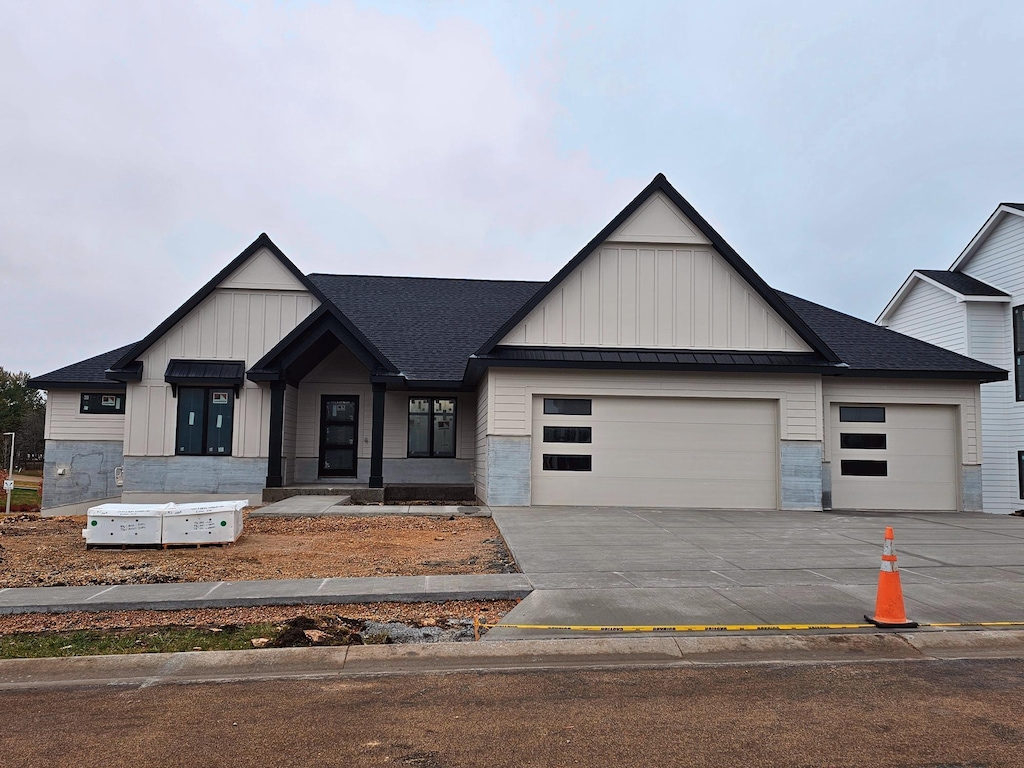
x,y
205,373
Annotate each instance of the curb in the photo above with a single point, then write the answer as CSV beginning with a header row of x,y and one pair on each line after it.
x,y
144,670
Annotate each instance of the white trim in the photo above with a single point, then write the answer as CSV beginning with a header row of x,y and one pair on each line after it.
x,y
983,233
914,277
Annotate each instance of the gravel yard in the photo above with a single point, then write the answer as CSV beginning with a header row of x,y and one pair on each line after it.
x,y
49,552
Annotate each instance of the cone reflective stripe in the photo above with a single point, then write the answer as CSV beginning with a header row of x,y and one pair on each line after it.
x,y
889,610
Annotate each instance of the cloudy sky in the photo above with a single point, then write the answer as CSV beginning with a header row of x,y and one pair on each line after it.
x,y
143,145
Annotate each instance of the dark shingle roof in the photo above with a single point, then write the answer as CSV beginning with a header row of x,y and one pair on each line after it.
x,y
961,283
876,350
426,326
1018,206
91,371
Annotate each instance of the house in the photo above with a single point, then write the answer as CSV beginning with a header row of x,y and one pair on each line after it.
x,y
976,308
656,369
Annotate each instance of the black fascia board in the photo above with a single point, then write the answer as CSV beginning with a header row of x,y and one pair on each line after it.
x,y
131,372
661,184
982,377
326,318
263,241
95,386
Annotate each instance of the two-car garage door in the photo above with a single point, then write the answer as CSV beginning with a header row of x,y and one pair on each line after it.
x,y
655,452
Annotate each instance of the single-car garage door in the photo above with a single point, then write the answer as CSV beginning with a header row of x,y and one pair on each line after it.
x,y
894,457
655,452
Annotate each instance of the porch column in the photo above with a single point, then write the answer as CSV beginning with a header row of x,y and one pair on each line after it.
x,y
377,437
274,477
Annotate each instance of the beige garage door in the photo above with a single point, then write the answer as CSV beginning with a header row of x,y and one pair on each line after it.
x,y
894,457
655,452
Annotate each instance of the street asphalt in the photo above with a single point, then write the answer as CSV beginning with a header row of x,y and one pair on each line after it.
x,y
627,567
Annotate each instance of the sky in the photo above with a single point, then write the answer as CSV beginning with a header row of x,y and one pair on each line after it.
x,y
835,146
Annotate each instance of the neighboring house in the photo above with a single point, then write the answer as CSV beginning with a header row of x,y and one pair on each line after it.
x,y
656,369
976,308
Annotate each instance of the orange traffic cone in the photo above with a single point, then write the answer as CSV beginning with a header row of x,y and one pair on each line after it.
x,y
889,610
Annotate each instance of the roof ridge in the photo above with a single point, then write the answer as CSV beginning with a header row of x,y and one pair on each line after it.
x,y
425,277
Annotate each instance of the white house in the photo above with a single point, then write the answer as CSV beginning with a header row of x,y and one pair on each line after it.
x,y
655,369
976,308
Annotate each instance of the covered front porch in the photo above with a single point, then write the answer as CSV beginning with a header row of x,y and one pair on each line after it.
x,y
341,417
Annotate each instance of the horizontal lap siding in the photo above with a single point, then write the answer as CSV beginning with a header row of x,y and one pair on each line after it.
x,y
933,315
514,389
999,260
64,421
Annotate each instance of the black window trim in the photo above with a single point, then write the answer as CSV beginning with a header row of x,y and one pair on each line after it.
x,y
430,424
101,411
551,458
207,402
1020,472
1018,353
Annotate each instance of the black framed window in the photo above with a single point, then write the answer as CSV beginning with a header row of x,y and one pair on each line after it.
x,y
567,462
1020,472
431,427
859,468
101,402
567,434
1018,352
205,420
875,414
862,441
567,406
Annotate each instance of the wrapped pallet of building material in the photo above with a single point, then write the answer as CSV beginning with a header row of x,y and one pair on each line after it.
x,y
124,524
214,522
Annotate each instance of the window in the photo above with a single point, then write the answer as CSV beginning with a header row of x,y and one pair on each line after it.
x,y
862,413
1020,472
1018,351
567,463
862,441
564,407
205,417
98,402
566,434
864,468
431,427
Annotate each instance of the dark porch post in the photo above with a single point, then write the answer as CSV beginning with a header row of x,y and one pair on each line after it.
x,y
377,437
274,478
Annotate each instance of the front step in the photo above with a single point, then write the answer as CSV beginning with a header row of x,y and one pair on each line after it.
x,y
395,493
358,494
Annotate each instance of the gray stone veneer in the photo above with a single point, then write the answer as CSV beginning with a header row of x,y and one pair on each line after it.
x,y
88,471
826,485
508,471
970,485
194,474
800,473
441,471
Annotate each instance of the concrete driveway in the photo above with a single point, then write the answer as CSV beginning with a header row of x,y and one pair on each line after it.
x,y
614,567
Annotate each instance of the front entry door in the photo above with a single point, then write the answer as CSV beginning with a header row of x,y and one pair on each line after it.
x,y
339,420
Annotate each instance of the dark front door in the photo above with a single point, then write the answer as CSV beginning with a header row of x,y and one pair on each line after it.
x,y
339,419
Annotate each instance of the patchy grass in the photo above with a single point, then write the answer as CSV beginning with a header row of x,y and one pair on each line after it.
x,y
35,645
28,496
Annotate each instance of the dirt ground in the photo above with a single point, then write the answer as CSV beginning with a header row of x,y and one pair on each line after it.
x,y
50,552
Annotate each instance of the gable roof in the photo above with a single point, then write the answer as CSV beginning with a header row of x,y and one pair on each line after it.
x,y
85,373
1001,211
661,184
263,241
957,284
428,327
871,350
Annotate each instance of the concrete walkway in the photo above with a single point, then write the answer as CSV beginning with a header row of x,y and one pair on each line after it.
x,y
614,567
339,506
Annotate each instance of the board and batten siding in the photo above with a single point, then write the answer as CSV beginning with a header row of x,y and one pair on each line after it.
x,y
511,393
655,297
998,261
932,315
64,421
965,395
230,324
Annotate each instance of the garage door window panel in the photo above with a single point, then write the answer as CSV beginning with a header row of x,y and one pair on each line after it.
x,y
567,434
567,462
863,441
862,413
864,468
567,406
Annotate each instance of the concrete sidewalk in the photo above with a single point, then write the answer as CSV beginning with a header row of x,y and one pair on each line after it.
x,y
147,669
231,594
